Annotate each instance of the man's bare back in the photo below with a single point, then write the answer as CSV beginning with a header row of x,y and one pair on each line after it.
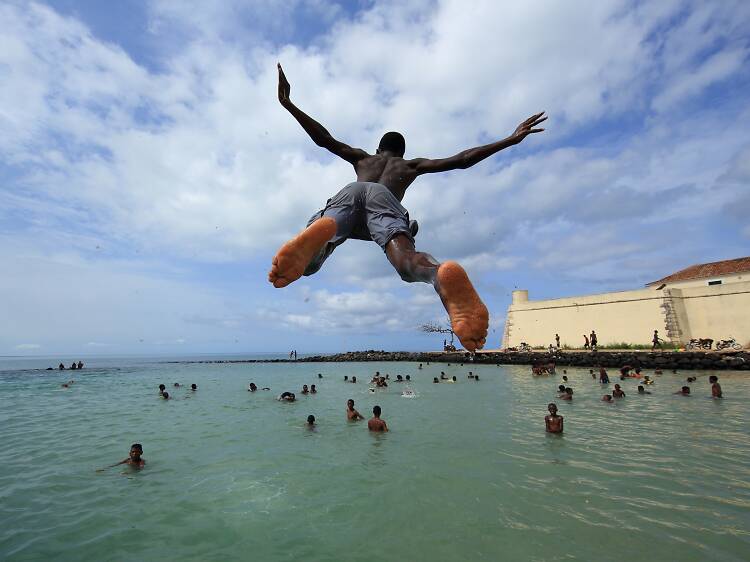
x,y
304,254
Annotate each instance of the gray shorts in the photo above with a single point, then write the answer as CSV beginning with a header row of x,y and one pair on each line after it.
x,y
363,211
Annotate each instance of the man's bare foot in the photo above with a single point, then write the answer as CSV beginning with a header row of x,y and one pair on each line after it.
x,y
293,257
469,316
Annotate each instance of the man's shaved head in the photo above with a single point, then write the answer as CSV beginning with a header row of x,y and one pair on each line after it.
x,y
393,142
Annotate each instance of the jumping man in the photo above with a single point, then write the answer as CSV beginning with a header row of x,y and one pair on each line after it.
x,y
370,209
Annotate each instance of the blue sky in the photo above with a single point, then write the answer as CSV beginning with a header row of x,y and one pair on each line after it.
x,y
148,173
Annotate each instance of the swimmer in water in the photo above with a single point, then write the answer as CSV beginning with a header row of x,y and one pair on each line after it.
x,y
715,386
252,387
193,386
561,389
134,459
310,422
603,377
351,413
618,392
567,395
304,389
165,395
684,391
607,398
408,378
286,397
642,390
553,423
354,380
313,390
375,423
162,388
435,380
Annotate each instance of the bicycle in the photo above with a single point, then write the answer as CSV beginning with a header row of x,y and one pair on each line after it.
x,y
731,343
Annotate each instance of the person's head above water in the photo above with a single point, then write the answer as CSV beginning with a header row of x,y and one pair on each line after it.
x,y
310,420
552,407
392,142
194,386
376,411
162,387
561,388
136,450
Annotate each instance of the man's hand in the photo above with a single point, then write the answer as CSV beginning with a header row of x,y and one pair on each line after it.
x,y
522,131
284,87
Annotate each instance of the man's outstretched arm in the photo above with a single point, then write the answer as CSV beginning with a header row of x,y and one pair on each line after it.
x,y
318,133
468,158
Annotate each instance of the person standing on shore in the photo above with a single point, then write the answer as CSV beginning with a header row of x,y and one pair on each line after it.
x,y
656,341
375,423
557,340
585,341
593,339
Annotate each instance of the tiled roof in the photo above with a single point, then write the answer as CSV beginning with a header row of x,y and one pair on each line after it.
x,y
707,270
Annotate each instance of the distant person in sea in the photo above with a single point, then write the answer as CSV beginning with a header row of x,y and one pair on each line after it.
x,y
618,392
603,377
252,387
313,390
80,364
684,391
74,366
656,341
594,340
557,341
320,375
162,388
647,379
310,422
715,386
642,390
61,367
65,385
176,385
476,378
193,386
435,380
354,380
561,388
420,366
165,395
565,378
399,378
351,413
346,378
471,375
286,397
134,458
408,378
305,390
375,423
553,423
691,379
567,394
607,398
585,341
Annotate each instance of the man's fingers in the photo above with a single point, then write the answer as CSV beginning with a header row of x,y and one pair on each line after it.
x,y
539,121
536,130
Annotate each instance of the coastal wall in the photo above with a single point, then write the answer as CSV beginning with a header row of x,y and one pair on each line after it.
x,y
696,310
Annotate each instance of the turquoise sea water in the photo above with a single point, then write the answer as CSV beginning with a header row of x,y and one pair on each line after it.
x,y
466,473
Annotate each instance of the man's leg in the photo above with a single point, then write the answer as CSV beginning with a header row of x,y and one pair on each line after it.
x,y
469,316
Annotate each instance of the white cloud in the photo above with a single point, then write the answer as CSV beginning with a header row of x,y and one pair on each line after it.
x,y
197,161
27,346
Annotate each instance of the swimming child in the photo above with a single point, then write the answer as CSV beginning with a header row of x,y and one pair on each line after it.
x,y
435,380
313,390
252,387
715,386
553,423
375,423
310,421
603,377
193,386
286,397
165,395
134,458
304,389
618,392
607,398
162,388
642,390
567,395
684,391
351,413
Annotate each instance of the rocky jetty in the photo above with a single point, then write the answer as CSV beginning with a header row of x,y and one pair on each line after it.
x,y
739,360
681,360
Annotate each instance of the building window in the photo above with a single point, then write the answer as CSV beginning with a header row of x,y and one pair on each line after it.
x,y
717,282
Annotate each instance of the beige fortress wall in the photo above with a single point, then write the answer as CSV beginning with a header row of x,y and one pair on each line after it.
x,y
695,310
716,312
627,316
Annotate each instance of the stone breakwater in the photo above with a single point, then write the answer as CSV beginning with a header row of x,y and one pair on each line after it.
x,y
734,360
739,360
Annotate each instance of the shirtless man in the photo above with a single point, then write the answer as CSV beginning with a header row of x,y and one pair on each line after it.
x,y
351,413
375,423
134,458
618,392
553,422
715,386
370,209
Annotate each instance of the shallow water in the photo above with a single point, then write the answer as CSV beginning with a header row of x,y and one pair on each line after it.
x,y
466,473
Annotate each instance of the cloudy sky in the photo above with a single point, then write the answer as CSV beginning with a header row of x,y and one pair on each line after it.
x,y
148,173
